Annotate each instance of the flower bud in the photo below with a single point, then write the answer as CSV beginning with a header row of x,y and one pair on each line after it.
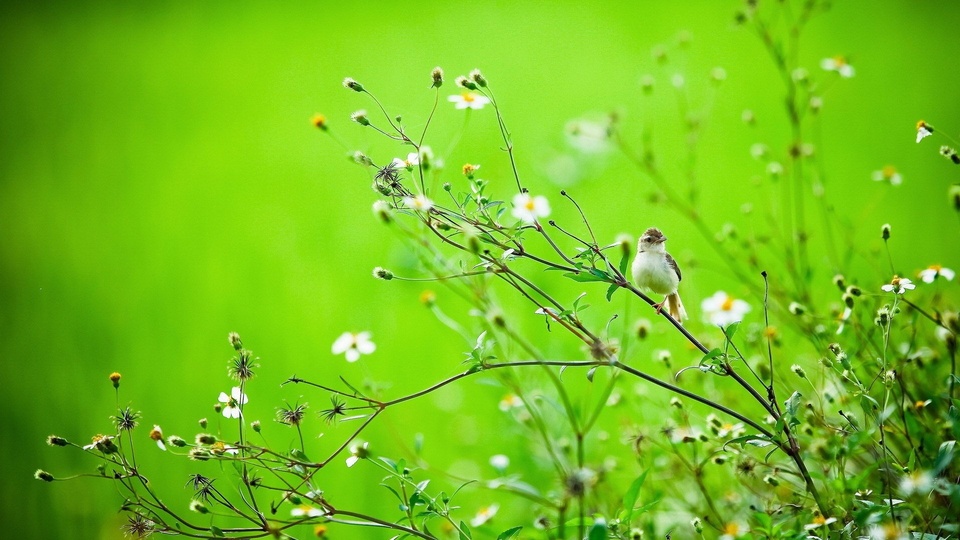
x,y
178,442
352,85
437,75
115,378
798,371
319,121
676,403
54,440
464,82
382,210
839,282
796,308
255,426
953,195
203,423
234,339
853,290
478,78
642,329
428,298
848,300
205,438
199,507
885,231
360,117
382,273
43,475
697,525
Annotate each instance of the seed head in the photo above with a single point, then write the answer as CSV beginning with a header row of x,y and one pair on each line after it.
x,y
126,419
382,210
798,371
234,339
43,475
885,231
464,82
478,78
205,438
292,416
360,117
255,426
838,280
176,441
382,273
199,507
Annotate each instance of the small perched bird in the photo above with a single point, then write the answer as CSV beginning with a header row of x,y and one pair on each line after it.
x,y
654,269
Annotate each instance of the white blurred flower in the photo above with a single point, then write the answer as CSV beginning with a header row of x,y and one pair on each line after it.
x,y
838,64
484,515
528,209
721,309
923,130
844,317
469,100
733,530
353,345
888,174
232,403
499,462
588,135
888,531
819,521
420,202
919,482
413,159
305,510
510,401
930,273
899,285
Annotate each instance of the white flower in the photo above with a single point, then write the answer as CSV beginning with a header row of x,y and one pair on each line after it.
x,y
819,521
232,403
413,159
510,401
721,309
484,515
733,530
305,510
888,174
919,482
923,130
758,150
499,462
527,209
157,434
899,285
353,345
930,273
847,311
732,430
420,202
887,531
588,135
469,100
358,452
838,64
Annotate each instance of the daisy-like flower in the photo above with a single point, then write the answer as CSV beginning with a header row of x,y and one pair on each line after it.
x,y
510,401
887,531
528,209
469,100
819,521
924,130
103,443
421,203
358,452
353,345
930,273
899,285
732,430
721,309
484,515
413,159
919,482
157,435
838,64
305,510
733,530
888,174
232,403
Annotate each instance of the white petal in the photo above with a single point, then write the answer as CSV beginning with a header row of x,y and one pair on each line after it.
x,y
224,398
161,445
366,347
352,460
828,64
947,274
352,355
455,99
344,342
887,287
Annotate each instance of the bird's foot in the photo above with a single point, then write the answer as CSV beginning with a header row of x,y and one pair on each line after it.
x,y
659,307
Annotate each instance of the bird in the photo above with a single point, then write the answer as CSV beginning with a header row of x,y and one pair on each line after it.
x,y
655,270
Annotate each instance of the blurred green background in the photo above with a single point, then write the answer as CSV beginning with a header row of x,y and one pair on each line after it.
x,y
161,185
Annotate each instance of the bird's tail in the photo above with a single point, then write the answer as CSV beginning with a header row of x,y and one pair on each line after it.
x,y
675,307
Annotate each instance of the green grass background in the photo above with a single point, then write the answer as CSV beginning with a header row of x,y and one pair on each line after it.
x,y
161,185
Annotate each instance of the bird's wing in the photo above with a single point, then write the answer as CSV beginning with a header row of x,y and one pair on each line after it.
x,y
673,264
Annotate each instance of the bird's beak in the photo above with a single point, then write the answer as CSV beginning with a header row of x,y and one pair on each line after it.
x,y
662,240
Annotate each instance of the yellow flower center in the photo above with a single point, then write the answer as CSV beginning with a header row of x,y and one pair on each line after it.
x,y
921,125
469,97
732,529
770,332
889,171
936,268
840,61
819,520
727,304
895,281
529,205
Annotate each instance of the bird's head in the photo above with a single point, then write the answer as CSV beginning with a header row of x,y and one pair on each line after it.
x,y
652,239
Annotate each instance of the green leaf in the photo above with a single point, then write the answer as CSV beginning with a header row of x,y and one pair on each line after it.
x,y
584,277
731,330
217,532
599,530
944,456
611,289
465,532
509,533
624,261
390,463
630,497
